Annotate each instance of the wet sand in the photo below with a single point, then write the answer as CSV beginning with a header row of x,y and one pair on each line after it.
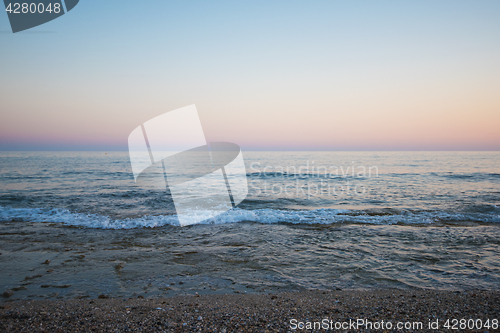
x,y
255,313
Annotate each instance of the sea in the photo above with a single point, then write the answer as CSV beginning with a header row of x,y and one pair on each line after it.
x,y
77,225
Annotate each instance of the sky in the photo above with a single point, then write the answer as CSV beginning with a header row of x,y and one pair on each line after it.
x,y
267,75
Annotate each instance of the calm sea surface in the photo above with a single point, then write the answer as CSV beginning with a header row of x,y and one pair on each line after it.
x,y
310,220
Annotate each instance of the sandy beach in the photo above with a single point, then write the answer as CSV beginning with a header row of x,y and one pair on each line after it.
x,y
342,311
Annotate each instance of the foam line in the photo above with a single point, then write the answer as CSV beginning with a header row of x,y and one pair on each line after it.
x,y
264,216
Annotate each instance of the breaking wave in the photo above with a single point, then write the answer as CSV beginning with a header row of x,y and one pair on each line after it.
x,y
490,214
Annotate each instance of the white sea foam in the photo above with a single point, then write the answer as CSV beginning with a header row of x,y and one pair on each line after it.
x,y
265,216
56,215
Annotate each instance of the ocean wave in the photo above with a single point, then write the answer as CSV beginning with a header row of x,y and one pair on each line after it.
x,y
58,215
264,216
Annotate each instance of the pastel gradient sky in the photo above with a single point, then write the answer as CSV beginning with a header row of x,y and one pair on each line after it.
x,y
267,75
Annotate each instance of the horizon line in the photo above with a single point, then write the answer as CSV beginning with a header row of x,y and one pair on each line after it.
x,y
276,150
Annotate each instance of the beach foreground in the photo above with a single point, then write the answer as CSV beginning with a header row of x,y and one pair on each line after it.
x,y
340,311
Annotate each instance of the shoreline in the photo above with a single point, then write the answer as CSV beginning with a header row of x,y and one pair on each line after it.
x,y
256,312
42,261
